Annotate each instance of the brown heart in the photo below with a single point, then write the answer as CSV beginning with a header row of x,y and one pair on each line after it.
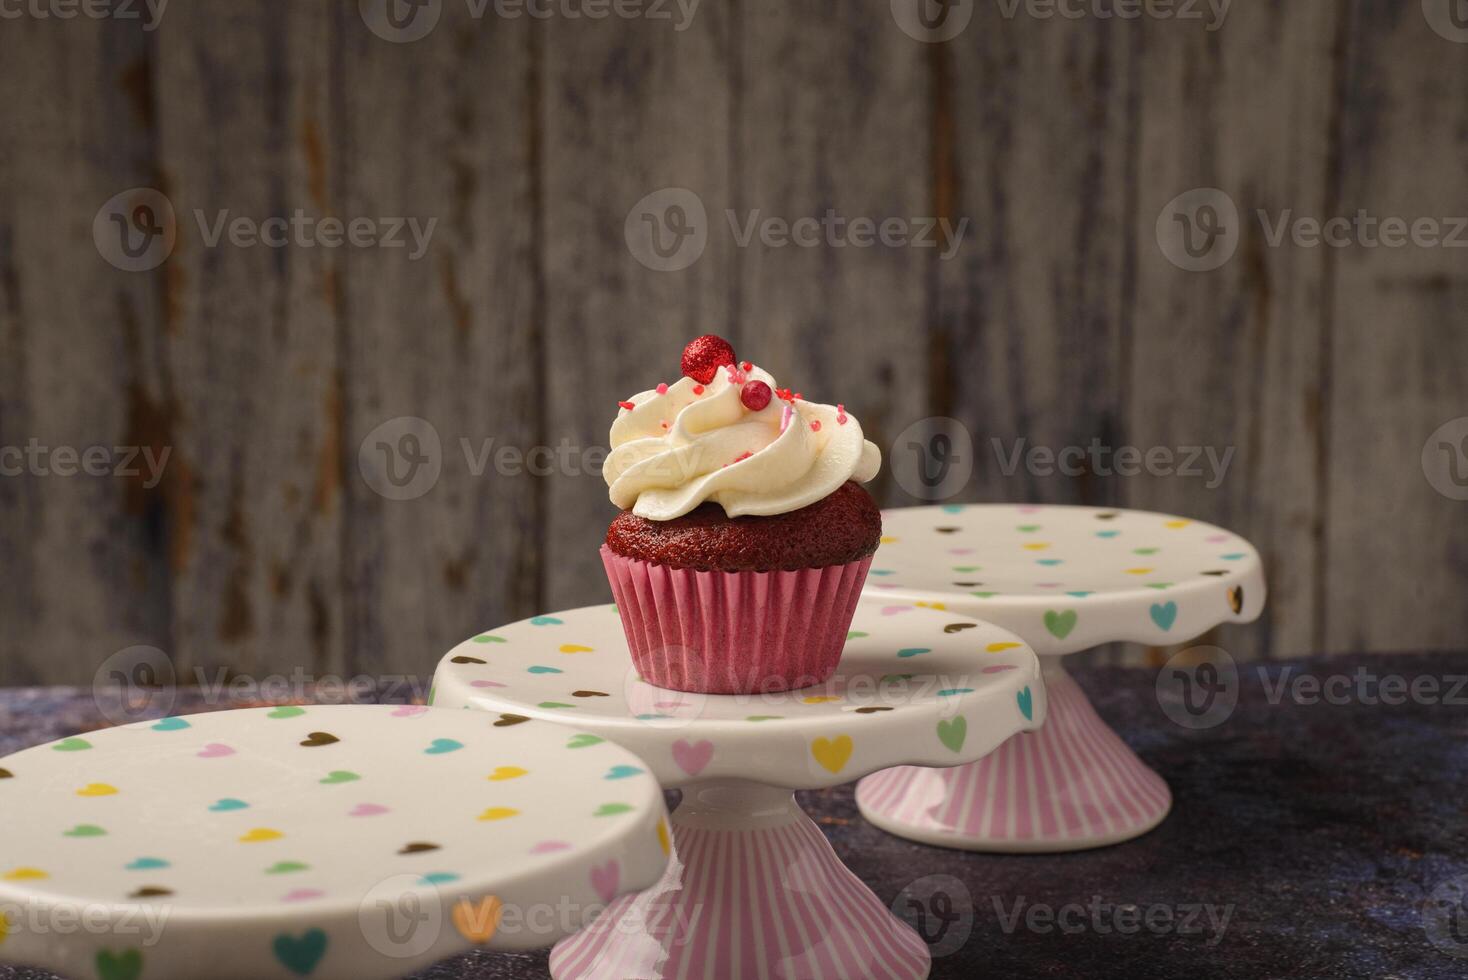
x,y
1220,571
467,660
590,694
150,892
418,847
6,774
1236,599
948,530
870,710
318,739
507,720
959,627
1106,517
968,585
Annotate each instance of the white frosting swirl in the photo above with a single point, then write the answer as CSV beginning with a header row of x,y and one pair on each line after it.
x,y
674,450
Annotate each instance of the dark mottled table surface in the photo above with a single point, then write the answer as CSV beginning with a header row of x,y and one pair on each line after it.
x,y
1310,837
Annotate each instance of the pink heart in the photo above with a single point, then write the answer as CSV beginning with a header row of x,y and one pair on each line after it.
x,y
485,684
368,810
997,668
1029,509
409,710
1217,538
888,585
960,551
670,704
547,846
1047,585
303,895
692,756
604,879
894,610
215,751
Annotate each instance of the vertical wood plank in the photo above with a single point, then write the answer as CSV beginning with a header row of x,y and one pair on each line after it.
x,y
251,334
1032,318
1230,358
832,116
1396,552
440,128
630,107
81,573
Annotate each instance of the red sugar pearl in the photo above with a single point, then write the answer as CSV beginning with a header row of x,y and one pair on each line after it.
x,y
627,405
815,426
662,387
698,389
755,395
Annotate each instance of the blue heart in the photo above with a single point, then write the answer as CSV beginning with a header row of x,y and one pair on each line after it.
x,y
1050,561
622,772
301,954
439,878
913,652
952,508
1026,704
147,864
226,805
545,621
1231,557
442,745
1164,614
537,669
949,692
652,717
1107,534
171,725
881,571
1079,595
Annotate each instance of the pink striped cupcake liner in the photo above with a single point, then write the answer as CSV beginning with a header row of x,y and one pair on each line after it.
x,y
1071,785
734,632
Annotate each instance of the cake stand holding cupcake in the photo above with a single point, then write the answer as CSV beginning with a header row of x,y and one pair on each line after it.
x,y
1064,579
754,889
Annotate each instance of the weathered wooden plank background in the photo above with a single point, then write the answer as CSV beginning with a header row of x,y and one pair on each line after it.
x,y
277,377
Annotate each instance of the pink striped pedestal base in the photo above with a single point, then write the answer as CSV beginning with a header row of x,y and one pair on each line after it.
x,y
754,891
1071,785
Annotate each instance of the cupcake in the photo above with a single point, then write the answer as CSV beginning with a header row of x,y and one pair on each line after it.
x,y
744,536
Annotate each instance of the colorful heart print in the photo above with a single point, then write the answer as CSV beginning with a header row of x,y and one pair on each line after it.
x,y
125,965
834,753
301,954
693,757
1060,623
952,732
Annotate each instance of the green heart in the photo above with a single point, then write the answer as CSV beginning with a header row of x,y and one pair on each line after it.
x,y
339,776
287,711
86,830
611,809
301,954
486,638
968,568
763,717
554,704
1028,528
952,732
1145,551
72,745
582,741
286,867
1060,623
127,965
985,595
855,635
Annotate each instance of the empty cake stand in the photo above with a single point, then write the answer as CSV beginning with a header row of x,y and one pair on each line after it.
x,y
1064,579
346,842
754,889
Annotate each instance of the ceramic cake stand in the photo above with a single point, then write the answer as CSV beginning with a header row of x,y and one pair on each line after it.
x,y
331,842
754,889
1064,579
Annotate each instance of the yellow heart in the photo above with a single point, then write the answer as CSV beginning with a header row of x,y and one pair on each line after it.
x,y
26,874
887,539
1138,571
1037,546
499,813
4,927
508,772
574,648
833,754
477,921
97,789
261,834
1178,523
1000,647
818,699
930,605
663,841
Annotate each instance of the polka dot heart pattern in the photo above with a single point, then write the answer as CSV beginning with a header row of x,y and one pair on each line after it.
x,y
285,855
1069,578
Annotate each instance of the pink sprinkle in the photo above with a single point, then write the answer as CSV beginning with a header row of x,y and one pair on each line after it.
x,y
698,389
629,406
664,423
840,414
746,366
785,417
815,426
662,387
